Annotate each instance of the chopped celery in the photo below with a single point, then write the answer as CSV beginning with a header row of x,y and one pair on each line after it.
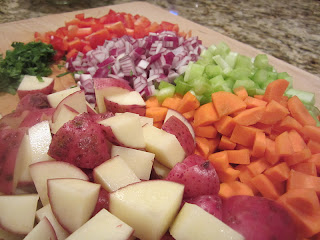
x,y
205,98
219,84
243,62
222,49
195,70
164,84
261,61
222,63
260,76
231,59
165,93
212,70
247,84
240,73
305,97
200,85
182,87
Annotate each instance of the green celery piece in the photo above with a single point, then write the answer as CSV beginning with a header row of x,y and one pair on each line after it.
x,y
194,70
314,112
222,63
231,59
212,70
305,97
222,49
260,76
229,82
261,61
181,86
205,98
219,84
243,62
247,84
164,84
200,85
272,76
240,73
165,93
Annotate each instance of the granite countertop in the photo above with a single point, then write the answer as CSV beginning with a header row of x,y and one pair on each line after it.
x,y
288,30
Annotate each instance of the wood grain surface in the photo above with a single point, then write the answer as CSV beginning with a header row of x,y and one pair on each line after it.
x,y
23,31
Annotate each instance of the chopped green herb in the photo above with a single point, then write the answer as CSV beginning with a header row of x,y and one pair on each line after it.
x,y
33,58
63,74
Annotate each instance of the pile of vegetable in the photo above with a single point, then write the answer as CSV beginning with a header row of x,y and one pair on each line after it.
x,y
267,145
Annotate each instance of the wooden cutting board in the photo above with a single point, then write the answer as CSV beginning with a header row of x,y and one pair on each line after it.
x,y
23,31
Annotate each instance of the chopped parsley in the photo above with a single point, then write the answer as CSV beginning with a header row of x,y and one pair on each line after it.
x,y
33,58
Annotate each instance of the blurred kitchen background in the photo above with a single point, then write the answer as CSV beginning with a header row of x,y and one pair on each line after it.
x,y
288,30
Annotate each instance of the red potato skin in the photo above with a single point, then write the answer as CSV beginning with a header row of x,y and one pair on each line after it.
x,y
32,102
194,159
210,203
37,116
13,120
101,83
258,218
81,142
10,140
117,108
200,179
103,201
176,127
101,116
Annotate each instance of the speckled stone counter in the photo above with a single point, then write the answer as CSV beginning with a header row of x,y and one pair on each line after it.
x,y
288,30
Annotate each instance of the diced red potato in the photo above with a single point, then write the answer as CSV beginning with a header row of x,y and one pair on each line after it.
x,y
37,116
194,159
176,127
200,179
33,101
172,112
211,203
10,140
14,120
103,201
81,142
118,108
258,218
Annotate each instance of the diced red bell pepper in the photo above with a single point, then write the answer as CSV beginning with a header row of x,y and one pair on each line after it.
x,y
76,44
97,27
142,21
117,28
82,32
80,16
111,17
154,27
72,54
86,48
98,38
58,43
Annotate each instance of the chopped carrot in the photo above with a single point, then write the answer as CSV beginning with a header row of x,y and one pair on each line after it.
x,y
239,156
259,144
226,143
244,135
275,90
266,128
158,124
270,154
300,112
189,115
303,206
284,101
250,116
306,167
298,157
315,158
202,145
265,186
297,142
274,112
171,102
246,176
254,102
279,172
311,132
152,102
219,160
289,123
205,131
226,103
205,115
283,144
260,97
258,166
188,103
228,175
157,113
298,180
313,146
234,188
225,125
213,144
241,92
